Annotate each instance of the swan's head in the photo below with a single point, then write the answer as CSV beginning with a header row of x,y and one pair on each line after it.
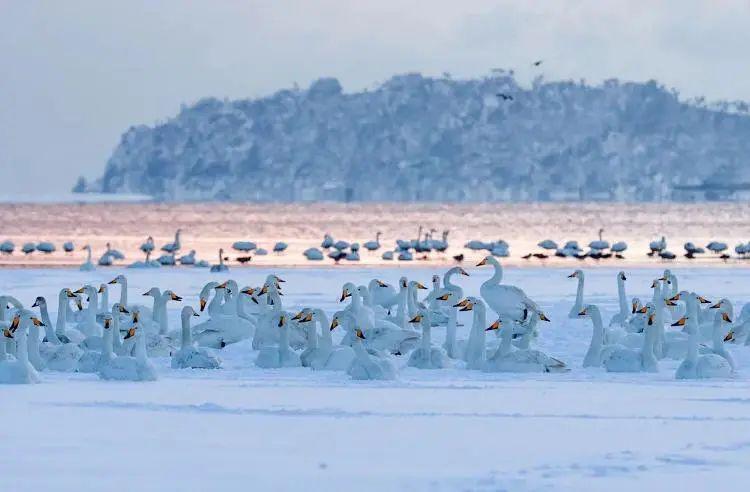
x,y
359,334
588,310
459,271
487,260
119,308
136,314
102,288
417,285
153,292
39,302
107,321
576,274
403,282
703,300
380,283
636,304
120,279
622,276
418,318
188,311
171,296
348,289
131,333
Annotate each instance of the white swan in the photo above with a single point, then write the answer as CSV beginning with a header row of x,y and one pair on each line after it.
x,y
578,305
321,354
127,368
65,333
92,360
427,356
369,365
621,317
88,265
382,294
702,366
57,356
635,360
281,355
508,301
190,357
19,370
506,359
597,350
475,351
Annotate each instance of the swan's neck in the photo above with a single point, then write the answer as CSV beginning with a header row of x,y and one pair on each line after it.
x,y
426,337
116,342
140,345
33,344
360,351
326,339
401,309
49,331
597,339
579,292
497,277
22,349
622,297
187,339
450,330
62,314
104,301
215,304
283,343
124,292
716,336
447,281
107,341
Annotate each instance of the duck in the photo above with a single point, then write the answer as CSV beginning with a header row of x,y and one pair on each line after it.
x,y
18,370
369,365
58,356
189,356
508,301
321,354
638,360
505,359
281,355
130,368
705,366
427,356
578,305
88,265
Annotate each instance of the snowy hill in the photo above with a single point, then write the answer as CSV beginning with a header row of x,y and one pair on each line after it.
x,y
419,138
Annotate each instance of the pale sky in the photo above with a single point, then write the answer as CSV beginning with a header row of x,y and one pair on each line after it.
x,y
74,74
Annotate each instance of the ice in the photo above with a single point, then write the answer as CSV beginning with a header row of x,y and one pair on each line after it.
x,y
244,428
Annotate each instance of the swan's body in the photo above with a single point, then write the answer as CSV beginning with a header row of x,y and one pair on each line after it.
x,y
130,368
702,366
427,356
273,357
508,301
369,365
597,350
18,370
638,360
506,359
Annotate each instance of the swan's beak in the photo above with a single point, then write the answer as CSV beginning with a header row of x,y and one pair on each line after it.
x,y
729,337
359,334
136,315
381,283
307,318
37,321
123,310
573,275
7,333
107,322
146,293
635,308
623,277
483,262
36,303
79,304
101,289
79,291
202,304
175,297
113,281
416,319
463,272
703,300
651,319
282,320
715,306
195,314
297,316
461,303
725,317
544,317
675,298
222,286
444,297
643,310
494,326
654,284
130,334
467,307
421,286
662,278
69,293
344,294
264,290
334,324
680,322
248,291
670,303
583,312
14,324
278,279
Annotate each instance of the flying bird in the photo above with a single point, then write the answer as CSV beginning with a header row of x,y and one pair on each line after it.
x,y
537,63
505,97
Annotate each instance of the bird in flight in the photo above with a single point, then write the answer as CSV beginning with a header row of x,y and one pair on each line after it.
x,y
537,63
505,97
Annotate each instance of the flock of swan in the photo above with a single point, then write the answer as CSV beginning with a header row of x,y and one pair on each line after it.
x,y
379,328
418,248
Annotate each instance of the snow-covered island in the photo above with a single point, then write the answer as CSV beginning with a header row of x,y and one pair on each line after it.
x,y
416,138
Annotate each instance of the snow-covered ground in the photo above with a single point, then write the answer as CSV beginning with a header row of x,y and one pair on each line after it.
x,y
243,428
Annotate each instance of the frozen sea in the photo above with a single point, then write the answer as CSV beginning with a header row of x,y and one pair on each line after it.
x,y
244,428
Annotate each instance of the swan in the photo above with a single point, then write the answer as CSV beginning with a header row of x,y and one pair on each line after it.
x,y
221,267
703,366
130,368
448,284
148,246
369,365
266,328
373,245
188,259
281,355
578,306
92,360
280,247
622,317
313,254
507,301
382,294
87,266
505,359
722,321
327,241
65,333
174,246
597,351
638,360
34,356
58,356
222,329
102,307
190,357
88,325
427,356
19,370
475,352
321,354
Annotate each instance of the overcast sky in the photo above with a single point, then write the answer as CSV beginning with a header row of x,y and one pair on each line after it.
x,y
75,74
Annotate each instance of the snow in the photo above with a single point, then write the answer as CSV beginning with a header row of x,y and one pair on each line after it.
x,y
244,428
